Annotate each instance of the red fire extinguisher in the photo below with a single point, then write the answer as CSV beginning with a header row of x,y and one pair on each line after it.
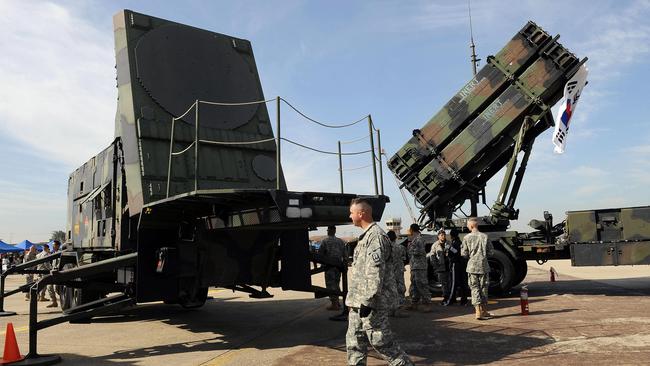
x,y
523,297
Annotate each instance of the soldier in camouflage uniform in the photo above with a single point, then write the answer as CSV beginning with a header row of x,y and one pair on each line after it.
x,y
371,293
419,289
439,261
46,266
29,256
477,248
333,247
399,258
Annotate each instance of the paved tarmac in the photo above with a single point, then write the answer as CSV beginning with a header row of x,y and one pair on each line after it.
x,y
595,316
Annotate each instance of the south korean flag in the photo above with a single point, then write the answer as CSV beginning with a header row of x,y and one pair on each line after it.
x,y
572,91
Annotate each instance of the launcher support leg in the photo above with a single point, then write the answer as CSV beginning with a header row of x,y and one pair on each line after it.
x,y
499,209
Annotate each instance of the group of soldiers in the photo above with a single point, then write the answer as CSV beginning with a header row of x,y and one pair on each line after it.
x,y
33,254
377,290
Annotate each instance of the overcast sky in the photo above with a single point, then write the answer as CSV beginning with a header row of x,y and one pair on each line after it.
x,y
336,60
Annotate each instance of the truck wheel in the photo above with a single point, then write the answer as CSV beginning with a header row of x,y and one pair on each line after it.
x,y
191,295
521,270
67,294
72,297
502,272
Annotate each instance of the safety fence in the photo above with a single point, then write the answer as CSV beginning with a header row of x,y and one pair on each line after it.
x,y
375,154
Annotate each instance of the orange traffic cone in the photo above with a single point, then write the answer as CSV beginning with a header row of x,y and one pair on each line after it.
x,y
12,353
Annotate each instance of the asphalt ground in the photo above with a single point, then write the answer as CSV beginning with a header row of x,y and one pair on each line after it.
x,y
589,316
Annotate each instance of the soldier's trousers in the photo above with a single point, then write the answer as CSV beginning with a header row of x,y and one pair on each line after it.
x,y
458,282
373,330
478,284
443,278
50,290
419,289
401,287
29,278
332,281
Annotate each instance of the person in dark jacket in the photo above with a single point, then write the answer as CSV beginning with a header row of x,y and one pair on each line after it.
x,y
457,271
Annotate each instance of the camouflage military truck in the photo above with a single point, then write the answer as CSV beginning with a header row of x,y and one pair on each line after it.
x,y
190,183
190,193
486,126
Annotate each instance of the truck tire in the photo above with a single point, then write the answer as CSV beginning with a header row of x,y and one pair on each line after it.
x,y
67,294
191,294
72,297
521,270
502,272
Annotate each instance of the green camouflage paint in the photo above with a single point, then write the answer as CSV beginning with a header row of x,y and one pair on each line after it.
x,y
472,97
447,160
614,236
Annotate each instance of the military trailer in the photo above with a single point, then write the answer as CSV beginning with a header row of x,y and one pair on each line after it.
x,y
491,124
190,193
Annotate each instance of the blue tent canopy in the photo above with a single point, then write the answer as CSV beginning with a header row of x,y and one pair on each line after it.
x,y
6,248
25,244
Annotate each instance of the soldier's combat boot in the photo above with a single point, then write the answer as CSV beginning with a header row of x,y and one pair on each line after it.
x,y
43,299
334,306
54,304
484,312
479,313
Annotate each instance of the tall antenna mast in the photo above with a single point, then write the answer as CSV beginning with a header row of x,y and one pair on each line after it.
x,y
473,58
474,199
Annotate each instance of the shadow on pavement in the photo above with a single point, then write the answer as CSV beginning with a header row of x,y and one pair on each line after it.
x,y
448,335
230,324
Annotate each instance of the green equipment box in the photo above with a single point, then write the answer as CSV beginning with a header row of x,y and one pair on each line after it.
x,y
615,236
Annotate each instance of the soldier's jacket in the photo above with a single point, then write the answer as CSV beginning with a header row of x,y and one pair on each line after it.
x,y
29,256
47,266
476,248
399,257
372,281
438,256
333,247
417,253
